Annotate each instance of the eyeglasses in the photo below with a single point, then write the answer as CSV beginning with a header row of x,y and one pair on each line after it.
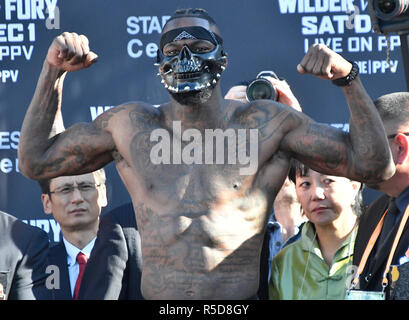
x,y
69,189
392,136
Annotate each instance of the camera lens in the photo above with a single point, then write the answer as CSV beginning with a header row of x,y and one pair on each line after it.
x,y
261,89
386,6
389,9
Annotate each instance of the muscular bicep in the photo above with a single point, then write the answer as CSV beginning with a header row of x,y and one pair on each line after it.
x,y
362,154
81,148
321,147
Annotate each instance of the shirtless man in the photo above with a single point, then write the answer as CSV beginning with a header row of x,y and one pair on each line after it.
x,y
201,225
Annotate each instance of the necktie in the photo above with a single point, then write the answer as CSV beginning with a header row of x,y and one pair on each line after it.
x,y
82,261
389,223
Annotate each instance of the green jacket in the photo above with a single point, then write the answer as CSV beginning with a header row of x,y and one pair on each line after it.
x,y
303,258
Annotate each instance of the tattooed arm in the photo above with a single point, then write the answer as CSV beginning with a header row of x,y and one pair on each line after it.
x,y
362,154
81,148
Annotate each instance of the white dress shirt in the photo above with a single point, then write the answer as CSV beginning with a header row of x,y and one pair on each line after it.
x,y
73,266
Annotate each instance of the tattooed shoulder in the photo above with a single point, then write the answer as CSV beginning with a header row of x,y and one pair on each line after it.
x,y
102,121
143,116
136,112
258,114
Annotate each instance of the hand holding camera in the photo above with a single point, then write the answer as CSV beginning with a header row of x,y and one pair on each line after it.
x,y
267,85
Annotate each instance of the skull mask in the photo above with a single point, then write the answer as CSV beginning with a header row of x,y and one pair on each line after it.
x,y
190,71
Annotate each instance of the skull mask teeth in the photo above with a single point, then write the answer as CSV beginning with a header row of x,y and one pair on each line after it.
x,y
192,71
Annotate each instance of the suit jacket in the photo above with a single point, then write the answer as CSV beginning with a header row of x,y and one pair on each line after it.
x,y
371,277
114,268
58,257
23,259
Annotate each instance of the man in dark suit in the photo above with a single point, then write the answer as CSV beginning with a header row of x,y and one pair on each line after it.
x,y
58,257
394,111
114,269
75,203
23,257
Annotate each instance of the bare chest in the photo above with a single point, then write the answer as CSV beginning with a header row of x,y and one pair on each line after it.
x,y
192,163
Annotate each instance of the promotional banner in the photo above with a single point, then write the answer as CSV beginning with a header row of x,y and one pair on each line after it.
x,y
258,35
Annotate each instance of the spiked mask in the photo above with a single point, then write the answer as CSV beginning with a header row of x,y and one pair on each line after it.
x,y
190,71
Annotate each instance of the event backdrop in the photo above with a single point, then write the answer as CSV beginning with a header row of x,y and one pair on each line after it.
x,y
258,35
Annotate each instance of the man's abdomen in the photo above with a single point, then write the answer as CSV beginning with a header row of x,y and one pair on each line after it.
x,y
208,257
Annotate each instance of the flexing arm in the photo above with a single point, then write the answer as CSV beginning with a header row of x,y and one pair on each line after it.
x,y
363,153
81,148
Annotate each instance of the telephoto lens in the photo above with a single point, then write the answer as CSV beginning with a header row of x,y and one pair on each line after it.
x,y
261,88
389,9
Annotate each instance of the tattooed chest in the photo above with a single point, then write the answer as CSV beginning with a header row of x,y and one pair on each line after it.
x,y
176,176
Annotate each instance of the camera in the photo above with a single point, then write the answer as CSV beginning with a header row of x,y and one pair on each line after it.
x,y
261,88
389,15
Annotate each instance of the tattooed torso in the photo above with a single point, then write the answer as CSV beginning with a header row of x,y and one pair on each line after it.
x,y
201,225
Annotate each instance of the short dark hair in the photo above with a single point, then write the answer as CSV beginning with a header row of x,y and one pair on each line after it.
x,y
45,183
45,186
193,12
297,167
394,107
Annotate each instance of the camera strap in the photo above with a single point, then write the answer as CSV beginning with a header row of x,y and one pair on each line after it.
x,y
371,244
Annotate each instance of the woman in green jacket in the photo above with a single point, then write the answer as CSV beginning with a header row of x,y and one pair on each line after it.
x,y
318,266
